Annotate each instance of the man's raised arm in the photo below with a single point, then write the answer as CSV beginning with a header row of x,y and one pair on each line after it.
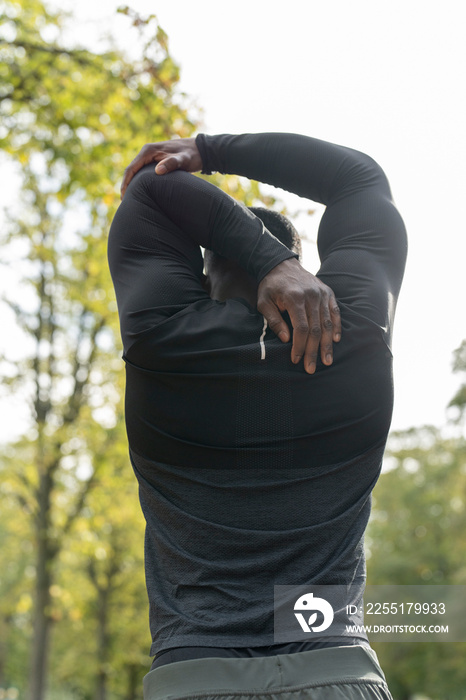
x,y
306,166
360,216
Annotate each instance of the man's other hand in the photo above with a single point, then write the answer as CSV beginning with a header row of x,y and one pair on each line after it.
x,y
312,308
178,154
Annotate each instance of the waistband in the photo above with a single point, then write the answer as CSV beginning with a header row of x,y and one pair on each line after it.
x,y
283,671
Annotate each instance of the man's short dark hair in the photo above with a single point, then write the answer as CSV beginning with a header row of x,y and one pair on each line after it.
x,y
280,227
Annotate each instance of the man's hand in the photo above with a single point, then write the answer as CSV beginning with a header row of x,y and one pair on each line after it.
x,y
179,154
312,308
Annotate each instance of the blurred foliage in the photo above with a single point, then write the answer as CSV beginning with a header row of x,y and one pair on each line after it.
x,y
87,114
417,536
459,366
71,559
72,533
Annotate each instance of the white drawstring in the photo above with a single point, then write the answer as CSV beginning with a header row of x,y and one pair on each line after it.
x,y
261,341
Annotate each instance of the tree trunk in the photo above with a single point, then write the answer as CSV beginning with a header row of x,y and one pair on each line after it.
x,y
41,632
46,553
4,627
133,690
102,643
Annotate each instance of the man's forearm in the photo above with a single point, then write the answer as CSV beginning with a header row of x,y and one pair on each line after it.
x,y
318,170
211,219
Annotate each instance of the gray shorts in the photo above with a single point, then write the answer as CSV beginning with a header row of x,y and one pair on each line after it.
x,y
338,673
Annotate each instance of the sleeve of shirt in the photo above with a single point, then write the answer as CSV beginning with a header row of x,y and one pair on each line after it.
x,y
362,238
155,245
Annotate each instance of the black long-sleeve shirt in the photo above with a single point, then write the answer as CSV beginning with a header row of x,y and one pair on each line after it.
x,y
252,473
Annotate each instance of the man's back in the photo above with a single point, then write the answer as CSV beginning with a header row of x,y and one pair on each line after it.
x,y
252,473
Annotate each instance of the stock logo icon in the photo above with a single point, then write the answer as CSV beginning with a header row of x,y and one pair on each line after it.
x,y
307,603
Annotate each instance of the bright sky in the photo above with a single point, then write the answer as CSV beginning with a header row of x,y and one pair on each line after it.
x,y
384,78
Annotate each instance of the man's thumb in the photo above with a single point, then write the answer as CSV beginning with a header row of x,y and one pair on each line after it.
x,y
168,165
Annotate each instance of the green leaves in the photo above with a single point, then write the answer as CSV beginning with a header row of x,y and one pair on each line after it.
x,y
417,536
88,111
73,118
459,366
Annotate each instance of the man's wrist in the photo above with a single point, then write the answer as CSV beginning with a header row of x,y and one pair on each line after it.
x,y
286,254
201,147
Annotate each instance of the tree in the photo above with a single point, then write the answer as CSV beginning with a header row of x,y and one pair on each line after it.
x,y
74,382
99,599
71,117
459,366
417,535
16,565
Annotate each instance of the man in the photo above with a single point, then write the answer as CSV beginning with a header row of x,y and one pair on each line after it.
x,y
255,460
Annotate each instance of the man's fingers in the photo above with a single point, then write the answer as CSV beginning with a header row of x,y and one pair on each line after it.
x,y
178,154
148,154
299,321
130,171
327,337
312,308
324,330
313,339
336,319
145,156
275,321
167,165
318,325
